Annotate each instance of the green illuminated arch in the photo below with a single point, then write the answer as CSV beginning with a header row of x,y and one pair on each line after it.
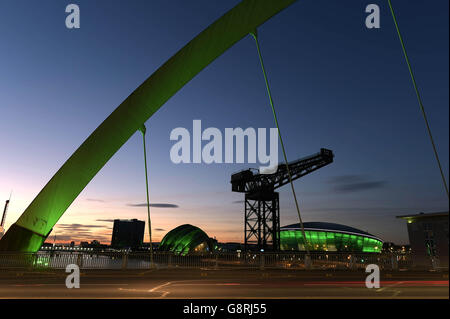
x,y
184,239
38,219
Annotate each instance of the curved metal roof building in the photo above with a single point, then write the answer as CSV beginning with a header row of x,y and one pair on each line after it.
x,y
323,236
186,239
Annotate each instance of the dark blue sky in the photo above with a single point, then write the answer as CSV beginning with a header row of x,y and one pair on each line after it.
x,y
335,84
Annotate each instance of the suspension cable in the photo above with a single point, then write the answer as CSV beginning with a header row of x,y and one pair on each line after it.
x,y
255,36
143,130
419,99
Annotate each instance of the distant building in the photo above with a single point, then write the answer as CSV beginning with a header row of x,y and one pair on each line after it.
x,y
146,246
127,233
230,247
389,247
428,237
94,244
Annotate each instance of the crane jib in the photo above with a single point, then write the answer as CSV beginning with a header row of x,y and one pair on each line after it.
x,y
247,181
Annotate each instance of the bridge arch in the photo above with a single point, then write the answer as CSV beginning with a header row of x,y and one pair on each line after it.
x,y
31,229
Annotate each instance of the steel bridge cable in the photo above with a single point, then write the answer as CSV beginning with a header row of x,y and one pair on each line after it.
x,y
419,99
255,36
143,130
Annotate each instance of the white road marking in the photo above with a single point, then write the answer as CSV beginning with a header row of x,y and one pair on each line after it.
x,y
389,286
160,286
154,289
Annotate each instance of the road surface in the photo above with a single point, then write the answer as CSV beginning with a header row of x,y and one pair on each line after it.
x,y
179,283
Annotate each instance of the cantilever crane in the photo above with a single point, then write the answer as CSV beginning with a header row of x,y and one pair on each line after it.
x,y
2,223
262,202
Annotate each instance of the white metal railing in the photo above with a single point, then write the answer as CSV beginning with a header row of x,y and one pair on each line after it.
x,y
162,260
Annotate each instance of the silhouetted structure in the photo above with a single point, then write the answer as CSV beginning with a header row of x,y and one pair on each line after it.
x,y
428,237
127,233
389,247
230,247
94,244
2,223
262,209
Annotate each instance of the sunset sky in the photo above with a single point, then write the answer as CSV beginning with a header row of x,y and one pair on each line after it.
x,y
335,83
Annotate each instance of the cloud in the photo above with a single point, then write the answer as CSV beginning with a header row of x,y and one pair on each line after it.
x,y
79,232
354,183
60,238
95,200
160,205
159,229
105,220
78,226
238,201
79,237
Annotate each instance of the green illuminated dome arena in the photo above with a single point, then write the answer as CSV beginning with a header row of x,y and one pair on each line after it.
x,y
186,239
328,237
